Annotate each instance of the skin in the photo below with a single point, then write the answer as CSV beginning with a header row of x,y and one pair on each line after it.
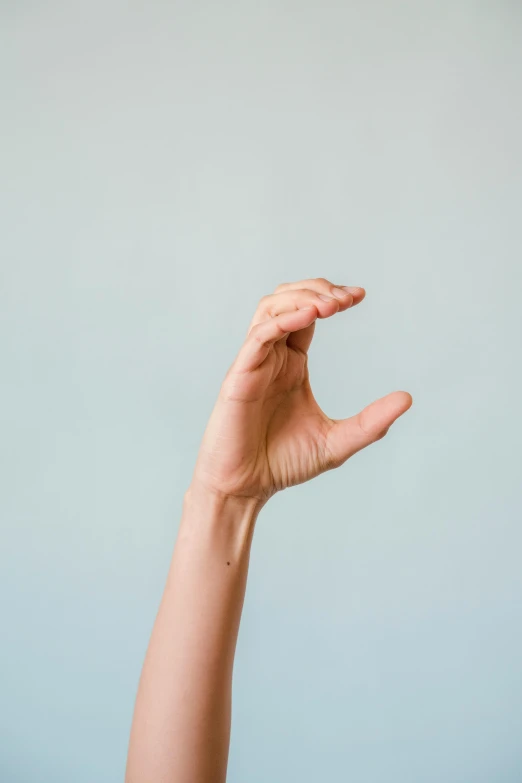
x,y
266,433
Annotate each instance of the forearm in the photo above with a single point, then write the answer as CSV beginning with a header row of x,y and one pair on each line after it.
x,y
181,724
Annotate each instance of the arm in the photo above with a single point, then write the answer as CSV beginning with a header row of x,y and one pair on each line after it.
x,y
266,433
182,720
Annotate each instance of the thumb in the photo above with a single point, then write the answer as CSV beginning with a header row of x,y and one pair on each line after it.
x,y
348,436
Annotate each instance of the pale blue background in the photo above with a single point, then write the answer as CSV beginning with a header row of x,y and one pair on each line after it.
x,y
165,164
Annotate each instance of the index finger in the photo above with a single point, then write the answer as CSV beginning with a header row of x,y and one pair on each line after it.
x,y
263,336
323,286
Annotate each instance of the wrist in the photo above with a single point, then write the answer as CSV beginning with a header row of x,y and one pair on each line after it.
x,y
217,521
201,494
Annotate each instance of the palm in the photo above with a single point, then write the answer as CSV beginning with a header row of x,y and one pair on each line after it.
x,y
267,431
296,428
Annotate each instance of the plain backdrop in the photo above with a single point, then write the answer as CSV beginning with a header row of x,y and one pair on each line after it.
x,y
164,165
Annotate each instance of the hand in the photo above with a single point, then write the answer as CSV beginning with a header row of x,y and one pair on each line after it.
x,y
266,431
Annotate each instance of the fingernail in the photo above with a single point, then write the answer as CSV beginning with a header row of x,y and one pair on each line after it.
x,y
352,289
340,293
325,298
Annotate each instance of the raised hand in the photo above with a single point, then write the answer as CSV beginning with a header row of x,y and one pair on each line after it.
x,y
267,431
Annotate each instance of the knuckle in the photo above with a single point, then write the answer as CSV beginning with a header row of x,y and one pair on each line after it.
x,y
361,426
256,335
264,307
